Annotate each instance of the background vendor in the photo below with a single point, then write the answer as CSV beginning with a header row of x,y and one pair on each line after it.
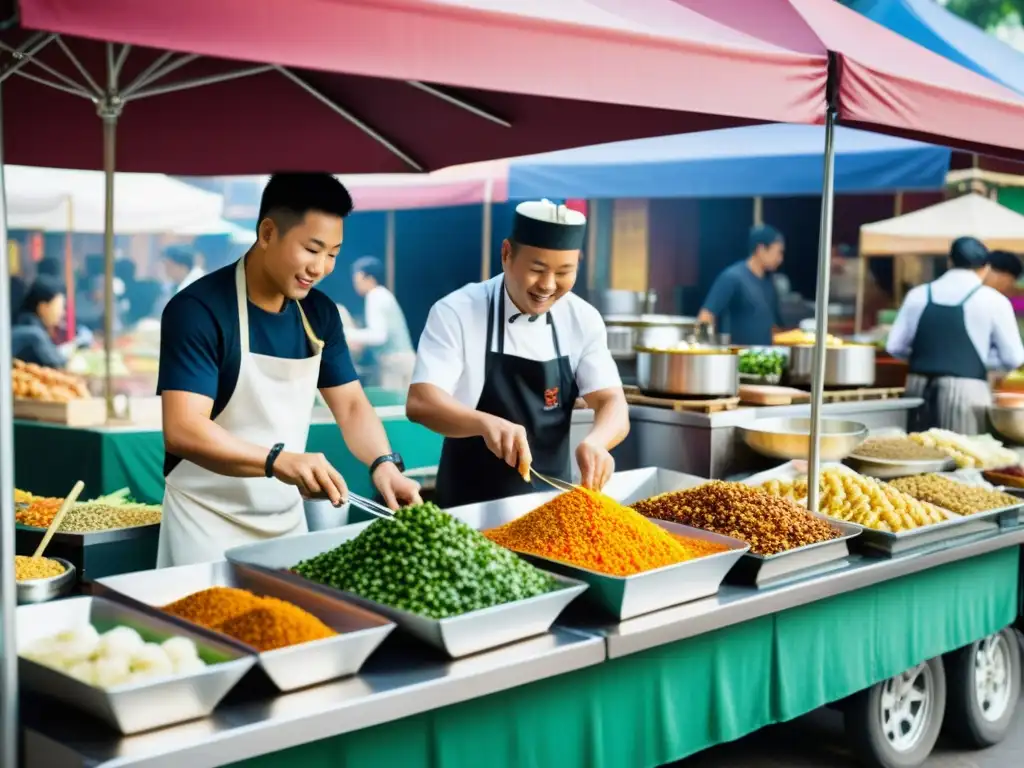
x,y
743,301
951,331
1004,270
385,333
36,324
501,363
243,352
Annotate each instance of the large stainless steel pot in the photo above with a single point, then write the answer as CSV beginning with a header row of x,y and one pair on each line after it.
x,y
704,372
851,365
626,332
625,302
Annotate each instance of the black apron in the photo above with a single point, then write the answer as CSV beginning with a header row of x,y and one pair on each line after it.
x,y
536,394
941,349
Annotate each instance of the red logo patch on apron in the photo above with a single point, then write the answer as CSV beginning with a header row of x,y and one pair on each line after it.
x,y
550,399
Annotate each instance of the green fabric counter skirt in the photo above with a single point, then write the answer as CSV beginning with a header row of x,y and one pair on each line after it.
x,y
48,458
672,701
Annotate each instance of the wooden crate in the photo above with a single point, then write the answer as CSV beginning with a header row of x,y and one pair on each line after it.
x,y
88,412
864,393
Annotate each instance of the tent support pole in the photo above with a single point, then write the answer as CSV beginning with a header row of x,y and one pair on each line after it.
x,y
109,110
486,229
389,250
8,593
821,309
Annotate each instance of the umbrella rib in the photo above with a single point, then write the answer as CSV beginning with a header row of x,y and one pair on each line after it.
x,y
198,82
157,70
122,57
23,55
369,130
80,67
460,103
57,86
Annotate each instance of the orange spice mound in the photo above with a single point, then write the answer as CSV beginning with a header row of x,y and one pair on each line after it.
x,y
699,547
591,531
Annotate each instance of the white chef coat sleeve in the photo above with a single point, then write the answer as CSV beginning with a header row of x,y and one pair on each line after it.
x,y
1006,340
376,331
597,369
901,335
440,356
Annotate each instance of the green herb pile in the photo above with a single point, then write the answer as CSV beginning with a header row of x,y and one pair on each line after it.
x,y
757,362
427,562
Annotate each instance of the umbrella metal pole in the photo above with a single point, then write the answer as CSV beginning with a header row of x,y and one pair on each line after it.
x,y
109,115
486,228
389,250
8,594
821,310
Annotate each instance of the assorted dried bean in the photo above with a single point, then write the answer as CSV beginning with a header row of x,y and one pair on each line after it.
x,y
769,524
898,449
956,497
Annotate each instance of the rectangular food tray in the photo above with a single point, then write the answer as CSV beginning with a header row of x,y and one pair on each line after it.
x,y
623,597
136,707
457,635
753,570
359,631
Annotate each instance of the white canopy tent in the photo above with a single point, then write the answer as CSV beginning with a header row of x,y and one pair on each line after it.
x,y
57,200
930,231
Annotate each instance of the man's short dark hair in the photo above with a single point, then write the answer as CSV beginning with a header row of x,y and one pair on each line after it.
x,y
968,253
1004,261
763,235
43,290
288,197
181,255
371,267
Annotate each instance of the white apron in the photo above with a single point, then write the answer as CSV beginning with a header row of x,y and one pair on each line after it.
x,y
204,513
961,405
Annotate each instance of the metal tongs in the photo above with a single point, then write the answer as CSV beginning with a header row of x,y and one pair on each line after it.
x,y
371,506
558,485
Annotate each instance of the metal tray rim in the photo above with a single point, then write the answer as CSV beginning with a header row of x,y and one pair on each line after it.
x,y
915,463
567,583
952,522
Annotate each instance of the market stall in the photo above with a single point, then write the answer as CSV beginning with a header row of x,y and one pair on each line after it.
x,y
765,633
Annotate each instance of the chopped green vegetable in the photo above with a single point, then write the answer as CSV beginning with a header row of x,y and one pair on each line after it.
x,y
758,362
427,562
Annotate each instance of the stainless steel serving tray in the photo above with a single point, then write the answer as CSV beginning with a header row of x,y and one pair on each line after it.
x,y
623,597
756,570
937,534
1015,516
297,666
457,636
140,706
888,469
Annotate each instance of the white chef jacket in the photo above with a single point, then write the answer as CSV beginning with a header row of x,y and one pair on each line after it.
x,y
452,348
381,313
988,315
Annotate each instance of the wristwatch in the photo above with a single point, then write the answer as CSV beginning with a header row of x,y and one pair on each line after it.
x,y
268,465
393,458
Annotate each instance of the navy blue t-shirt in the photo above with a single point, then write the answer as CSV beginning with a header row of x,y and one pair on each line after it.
x,y
199,344
744,305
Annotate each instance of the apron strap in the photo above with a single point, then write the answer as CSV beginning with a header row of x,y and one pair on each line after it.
x,y
242,294
968,296
316,344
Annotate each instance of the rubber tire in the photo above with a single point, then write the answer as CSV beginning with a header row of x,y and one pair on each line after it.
x,y
864,731
964,722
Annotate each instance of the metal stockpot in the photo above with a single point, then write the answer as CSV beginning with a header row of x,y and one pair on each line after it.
x,y
851,365
700,372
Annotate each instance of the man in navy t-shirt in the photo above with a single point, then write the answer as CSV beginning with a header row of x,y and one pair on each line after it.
x,y
742,301
243,352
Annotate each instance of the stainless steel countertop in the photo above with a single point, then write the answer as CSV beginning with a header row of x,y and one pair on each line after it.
x,y
403,678
744,415
734,605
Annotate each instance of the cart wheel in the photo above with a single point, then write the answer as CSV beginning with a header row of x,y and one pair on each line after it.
x,y
984,685
896,723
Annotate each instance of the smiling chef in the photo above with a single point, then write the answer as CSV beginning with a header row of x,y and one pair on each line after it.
x,y
243,352
501,363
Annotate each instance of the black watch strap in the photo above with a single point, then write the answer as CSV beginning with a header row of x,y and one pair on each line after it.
x,y
268,468
393,458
